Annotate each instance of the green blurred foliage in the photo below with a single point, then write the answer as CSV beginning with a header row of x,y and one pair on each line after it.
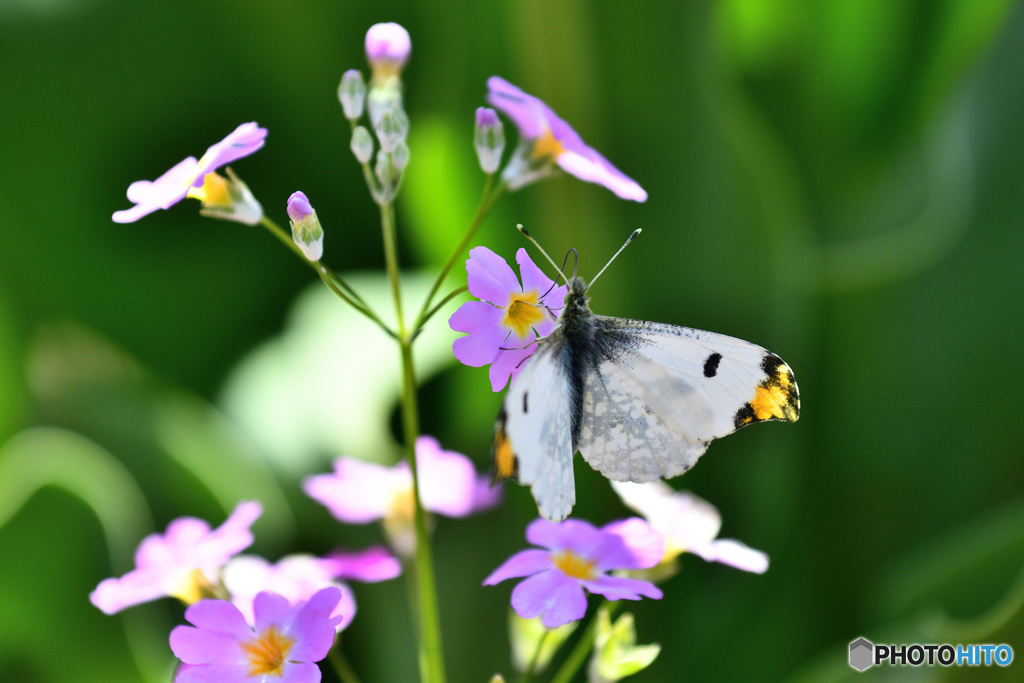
x,y
837,181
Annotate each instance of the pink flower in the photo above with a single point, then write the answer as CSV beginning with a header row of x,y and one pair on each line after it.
x,y
503,327
187,177
283,642
546,139
576,557
299,577
689,524
358,492
184,562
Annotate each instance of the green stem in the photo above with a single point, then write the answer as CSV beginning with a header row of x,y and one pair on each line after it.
x,y
490,196
430,314
424,601
341,665
532,667
583,648
330,278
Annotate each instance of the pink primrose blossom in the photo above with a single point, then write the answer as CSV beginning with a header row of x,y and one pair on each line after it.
x,y
504,325
183,562
689,524
188,175
282,643
577,557
546,139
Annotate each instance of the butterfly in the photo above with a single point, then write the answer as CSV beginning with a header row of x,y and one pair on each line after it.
x,y
639,400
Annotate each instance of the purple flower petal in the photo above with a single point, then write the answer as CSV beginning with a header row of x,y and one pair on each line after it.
x,y
312,626
552,596
523,563
477,317
220,616
165,563
535,120
526,111
574,534
478,349
240,142
622,588
214,673
369,566
590,166
162,193
507,365
173,186
448,481
735,554
358,492
301,672
197,646
644,547
489,277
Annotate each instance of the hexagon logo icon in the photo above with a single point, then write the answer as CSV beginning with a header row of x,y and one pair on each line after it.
x,y
862,654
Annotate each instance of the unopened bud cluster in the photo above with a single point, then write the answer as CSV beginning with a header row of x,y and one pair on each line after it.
x,y
387,50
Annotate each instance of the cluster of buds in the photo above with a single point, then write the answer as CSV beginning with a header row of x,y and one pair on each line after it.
x,y
387,50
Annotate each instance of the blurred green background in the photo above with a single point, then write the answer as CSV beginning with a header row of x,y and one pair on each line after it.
x,y
838,181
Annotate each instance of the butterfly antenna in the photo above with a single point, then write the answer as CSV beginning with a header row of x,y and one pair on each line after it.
x,y
626,244
520,228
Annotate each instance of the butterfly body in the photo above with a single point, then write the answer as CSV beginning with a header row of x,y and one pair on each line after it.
x,y
639,400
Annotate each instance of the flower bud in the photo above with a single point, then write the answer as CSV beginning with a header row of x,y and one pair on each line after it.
x,y
489,139
306,231
387,50
400,157
382,169
362,144
526,635
352,94
616,654
381,99
392,128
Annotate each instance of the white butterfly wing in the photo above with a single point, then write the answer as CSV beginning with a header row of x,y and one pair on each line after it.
x,y
532,440
659,393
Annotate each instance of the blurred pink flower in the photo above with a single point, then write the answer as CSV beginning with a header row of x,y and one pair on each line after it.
x,y
358,492
183,562
546,140
187,176
504,326
689,524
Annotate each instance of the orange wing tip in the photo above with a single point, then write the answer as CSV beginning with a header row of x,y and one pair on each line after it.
x,y
505,463
776,397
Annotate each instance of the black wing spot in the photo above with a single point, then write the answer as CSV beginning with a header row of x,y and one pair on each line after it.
x,y
711,364
525,409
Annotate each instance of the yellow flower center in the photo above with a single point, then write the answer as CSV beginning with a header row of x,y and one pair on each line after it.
x,y
403,505
522,312
266,653
573,565
214,191
546,147
191,587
